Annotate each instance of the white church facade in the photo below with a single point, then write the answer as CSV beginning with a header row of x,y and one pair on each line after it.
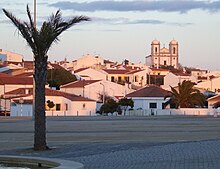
x,y
163,56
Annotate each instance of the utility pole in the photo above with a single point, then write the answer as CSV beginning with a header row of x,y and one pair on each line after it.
x,y
35,26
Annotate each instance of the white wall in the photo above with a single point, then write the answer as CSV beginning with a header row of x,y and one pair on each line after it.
x,y
92,91
92,74
11,56
212,85
10,87
172,80
88,61
143,102
182,111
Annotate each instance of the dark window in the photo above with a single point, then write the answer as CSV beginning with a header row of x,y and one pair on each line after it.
x,y
84,105
112,79
119,78
153,105
135,78
66,106
165,62
155,49
127,79
174,50
58,107
163,105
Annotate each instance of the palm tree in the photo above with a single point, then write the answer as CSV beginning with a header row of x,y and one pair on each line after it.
x,y
185,96
40,42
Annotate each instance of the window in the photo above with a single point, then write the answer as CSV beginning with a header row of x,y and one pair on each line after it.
x,y
119,78
66,106
136,78
165,62
163,105
153,105
174,50
112,79
84,106
58,107
127,79
155,49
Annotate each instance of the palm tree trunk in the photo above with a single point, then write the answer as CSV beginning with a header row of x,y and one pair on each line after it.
x,y
40,74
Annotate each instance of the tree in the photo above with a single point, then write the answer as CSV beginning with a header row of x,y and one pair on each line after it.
x,y
125,102
110,106
185,96
106,97
50,104
40,41
58,77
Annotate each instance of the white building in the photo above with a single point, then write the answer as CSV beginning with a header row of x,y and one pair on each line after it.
x,y
149,97
172,79
88,61
163,56
9,83
90,74
93,88
65,104
211,84
7,56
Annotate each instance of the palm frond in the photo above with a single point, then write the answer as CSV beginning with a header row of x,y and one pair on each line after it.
x,y
22,27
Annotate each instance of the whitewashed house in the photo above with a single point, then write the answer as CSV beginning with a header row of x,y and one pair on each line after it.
x,y
93,88
149,97
214,102
90,74
210,84
172,79
65,104
88,61
7,56
9,83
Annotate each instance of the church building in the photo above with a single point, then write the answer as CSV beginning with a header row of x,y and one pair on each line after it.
x,y
163,56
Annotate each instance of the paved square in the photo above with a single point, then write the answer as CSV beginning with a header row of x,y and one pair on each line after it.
x,y
170,142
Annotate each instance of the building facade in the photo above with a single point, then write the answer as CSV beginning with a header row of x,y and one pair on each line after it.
x,y
163,56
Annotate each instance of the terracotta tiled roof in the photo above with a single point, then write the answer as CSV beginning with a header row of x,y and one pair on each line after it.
x,y
159,69
4,75
16,80
181,74
80,83
56,66
28,64
115,71
81,69
48,92
149,91
25,74
134,71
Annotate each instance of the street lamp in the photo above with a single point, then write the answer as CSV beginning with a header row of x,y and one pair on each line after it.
x,y
103,99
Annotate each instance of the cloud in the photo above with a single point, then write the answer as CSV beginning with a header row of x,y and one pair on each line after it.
x,y
181,6
126,21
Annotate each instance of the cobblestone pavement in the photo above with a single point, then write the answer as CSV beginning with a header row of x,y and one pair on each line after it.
x,y
194,155
186,155
121,142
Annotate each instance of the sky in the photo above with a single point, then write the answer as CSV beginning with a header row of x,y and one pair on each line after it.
x,y
124,29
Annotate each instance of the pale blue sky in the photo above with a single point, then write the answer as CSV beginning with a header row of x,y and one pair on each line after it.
x,y
125,29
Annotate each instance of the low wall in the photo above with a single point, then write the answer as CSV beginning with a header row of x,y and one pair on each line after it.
x,y
182,111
